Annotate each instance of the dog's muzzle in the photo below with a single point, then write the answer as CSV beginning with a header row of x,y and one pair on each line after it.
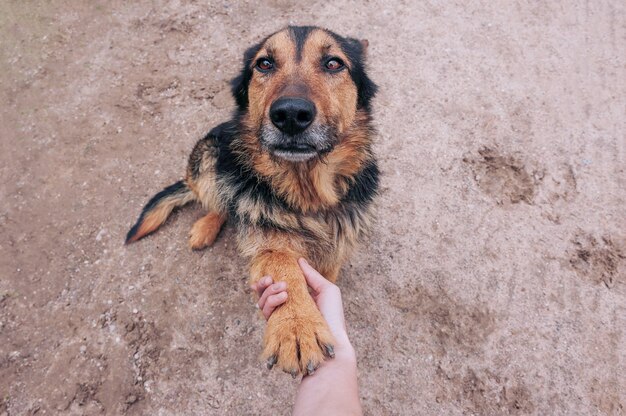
x,y
293,135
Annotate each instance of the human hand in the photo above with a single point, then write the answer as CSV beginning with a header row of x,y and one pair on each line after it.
x,y
334,388
271,295
326,295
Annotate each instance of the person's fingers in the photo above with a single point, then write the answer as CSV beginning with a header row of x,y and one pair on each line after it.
x,y
271,290
316,281
328,300
272,302
260,286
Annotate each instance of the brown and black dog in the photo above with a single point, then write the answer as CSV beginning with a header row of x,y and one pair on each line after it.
x,y
294,170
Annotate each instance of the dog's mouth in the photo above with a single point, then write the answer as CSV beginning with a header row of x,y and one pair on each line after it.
x,y
294,152
315,141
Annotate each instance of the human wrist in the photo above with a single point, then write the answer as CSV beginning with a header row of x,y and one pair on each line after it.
x,y
341,339
343,361
344,351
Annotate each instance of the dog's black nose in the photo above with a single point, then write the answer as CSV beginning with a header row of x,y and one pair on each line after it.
x,y
292,115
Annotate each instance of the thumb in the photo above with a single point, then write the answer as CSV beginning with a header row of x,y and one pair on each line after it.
x,y
316,281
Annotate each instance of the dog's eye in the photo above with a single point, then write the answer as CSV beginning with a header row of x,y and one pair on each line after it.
x,y
264,65
334,64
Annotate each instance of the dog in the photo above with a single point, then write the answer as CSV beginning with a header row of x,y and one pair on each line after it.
x,y
294,171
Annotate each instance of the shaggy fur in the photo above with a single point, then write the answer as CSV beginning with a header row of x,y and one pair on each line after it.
x,y
318,208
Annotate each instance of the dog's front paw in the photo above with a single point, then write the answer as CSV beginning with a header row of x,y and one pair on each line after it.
x,y
297,341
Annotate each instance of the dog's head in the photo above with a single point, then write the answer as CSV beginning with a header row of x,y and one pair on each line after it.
x,y
300,89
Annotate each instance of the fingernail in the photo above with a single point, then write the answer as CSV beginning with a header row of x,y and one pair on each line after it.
x,y
304,261
279,286
267,280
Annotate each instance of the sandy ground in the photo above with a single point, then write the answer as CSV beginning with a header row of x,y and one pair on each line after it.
x,y
493,283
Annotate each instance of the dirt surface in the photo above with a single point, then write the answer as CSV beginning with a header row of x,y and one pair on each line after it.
x,y
494,281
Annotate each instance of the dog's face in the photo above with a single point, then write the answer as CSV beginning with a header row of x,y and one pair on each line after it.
x,y
300,89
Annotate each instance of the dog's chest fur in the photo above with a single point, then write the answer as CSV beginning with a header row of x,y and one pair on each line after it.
x,y
261,212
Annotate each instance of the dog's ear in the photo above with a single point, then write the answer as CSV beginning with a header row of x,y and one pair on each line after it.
x,y
239,85
357,51
364,45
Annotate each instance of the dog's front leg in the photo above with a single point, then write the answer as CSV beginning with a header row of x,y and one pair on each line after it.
x,y
297,337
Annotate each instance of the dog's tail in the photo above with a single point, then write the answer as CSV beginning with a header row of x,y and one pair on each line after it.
x,y
159,208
